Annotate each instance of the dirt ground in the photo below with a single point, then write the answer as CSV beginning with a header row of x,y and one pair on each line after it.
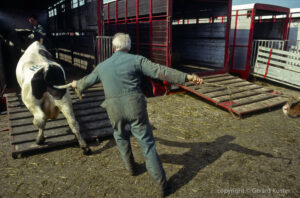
x,y
205,153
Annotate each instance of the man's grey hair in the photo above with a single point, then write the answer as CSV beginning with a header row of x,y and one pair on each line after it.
x,y
122,42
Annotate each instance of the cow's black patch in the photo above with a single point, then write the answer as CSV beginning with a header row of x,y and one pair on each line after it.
x,y
38,84
55,76
46,54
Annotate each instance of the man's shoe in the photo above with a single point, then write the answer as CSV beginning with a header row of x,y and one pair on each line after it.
x,y
163,189
132,169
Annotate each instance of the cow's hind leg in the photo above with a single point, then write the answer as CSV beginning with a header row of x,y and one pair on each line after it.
x,y
67,110
39,119
40,123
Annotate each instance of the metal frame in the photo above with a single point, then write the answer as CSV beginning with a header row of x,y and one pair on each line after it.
x,y
261,7
163,47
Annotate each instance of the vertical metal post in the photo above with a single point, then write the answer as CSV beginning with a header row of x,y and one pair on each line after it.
x,y
246,73
234,39
228,24
267,68
99,17
126,28
137,27
289,25
169,33
116,16
150,29
108,26
100,27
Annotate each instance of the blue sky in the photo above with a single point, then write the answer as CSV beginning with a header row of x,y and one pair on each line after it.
x,y
284,3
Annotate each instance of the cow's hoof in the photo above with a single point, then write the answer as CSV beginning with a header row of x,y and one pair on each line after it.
x,y
87,151
40,141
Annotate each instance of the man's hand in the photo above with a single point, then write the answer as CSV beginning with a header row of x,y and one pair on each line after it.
x,y
74,84
194,79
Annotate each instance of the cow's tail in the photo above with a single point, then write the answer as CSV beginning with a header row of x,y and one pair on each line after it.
x,y
67,86
63,86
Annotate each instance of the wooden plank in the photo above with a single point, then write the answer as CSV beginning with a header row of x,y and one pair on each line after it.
x,y
92,117
96,124
243,94
204,89
30,137
49,143
248,100
83,106
15,104
232,91
283,65
28,121
222,79
296,55
278,73
84,125
92,99
90,111
32,128
276,80
260,105
215,76
13,110
27,114
278,59
12,98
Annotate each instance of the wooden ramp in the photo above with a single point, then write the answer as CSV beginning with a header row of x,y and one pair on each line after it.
x,y
93,121
234,94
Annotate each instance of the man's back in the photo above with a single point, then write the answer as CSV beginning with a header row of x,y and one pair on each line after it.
x,y
120,74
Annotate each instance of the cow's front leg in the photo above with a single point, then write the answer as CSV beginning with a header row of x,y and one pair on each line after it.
x,y
67,110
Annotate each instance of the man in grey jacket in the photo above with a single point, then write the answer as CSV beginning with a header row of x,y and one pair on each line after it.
x,y
125,103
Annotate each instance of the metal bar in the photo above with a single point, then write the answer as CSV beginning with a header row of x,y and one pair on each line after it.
x,y
137,27
267,68
116,15
169,33
246,73
126,28
228,24
108,27
234,40
150,28
99,17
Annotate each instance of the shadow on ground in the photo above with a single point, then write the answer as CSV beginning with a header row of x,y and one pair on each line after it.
x,y
202,154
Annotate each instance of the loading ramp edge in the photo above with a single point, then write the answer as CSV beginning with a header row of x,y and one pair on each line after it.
x,y
243,90
93,125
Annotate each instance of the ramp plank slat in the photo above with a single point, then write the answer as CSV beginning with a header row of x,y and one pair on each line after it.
x,y
241,94
247,97
92,119
261,105
212,88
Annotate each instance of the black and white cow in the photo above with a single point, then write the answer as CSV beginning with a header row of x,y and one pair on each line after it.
x,y
37,74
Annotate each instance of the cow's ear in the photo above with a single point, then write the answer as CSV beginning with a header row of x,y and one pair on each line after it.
x,y
46,54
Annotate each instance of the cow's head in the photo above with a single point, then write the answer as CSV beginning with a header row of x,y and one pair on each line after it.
x,y
292,109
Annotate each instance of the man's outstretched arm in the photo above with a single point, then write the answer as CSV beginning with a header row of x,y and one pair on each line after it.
x,y
164,73
87,81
